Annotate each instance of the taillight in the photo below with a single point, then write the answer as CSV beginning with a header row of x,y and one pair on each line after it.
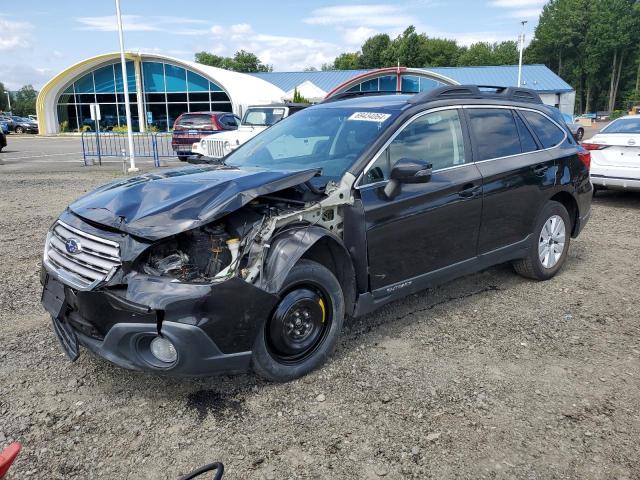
x,y
594,146
585,157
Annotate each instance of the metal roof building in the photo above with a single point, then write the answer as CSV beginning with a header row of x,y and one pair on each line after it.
x,y
553,89
162,87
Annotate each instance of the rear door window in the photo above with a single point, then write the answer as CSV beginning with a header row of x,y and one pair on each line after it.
x,y
495,132
547,132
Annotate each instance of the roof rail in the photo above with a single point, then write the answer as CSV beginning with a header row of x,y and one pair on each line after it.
x,y
344,95
515,94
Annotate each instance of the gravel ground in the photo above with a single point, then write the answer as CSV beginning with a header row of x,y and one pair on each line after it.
x,y
489,376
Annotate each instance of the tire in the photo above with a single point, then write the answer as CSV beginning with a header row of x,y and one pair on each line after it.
x,y
19,130
580,134
532,266
309,288
182,158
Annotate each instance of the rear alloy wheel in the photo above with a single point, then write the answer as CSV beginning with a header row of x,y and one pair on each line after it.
x,y
548,251
580,134
304,327
19,130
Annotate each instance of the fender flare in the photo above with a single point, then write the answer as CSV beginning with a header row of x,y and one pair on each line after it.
x,y
291,244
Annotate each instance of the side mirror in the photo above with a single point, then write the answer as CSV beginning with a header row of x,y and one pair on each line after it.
x,y
407,170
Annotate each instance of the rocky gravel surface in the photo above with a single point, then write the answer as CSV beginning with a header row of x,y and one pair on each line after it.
x,y
490,376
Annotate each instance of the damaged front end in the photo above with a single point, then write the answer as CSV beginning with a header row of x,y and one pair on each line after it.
x,y
176,272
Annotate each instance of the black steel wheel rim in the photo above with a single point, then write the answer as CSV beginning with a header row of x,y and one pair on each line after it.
x,y
299,324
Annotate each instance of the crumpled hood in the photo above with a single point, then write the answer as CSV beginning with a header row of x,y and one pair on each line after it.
x,y
158,205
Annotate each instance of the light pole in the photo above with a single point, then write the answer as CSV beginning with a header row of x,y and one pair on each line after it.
x,y
127,106
9,100
524,22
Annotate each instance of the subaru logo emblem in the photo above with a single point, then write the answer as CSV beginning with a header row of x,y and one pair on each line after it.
x,y
73,246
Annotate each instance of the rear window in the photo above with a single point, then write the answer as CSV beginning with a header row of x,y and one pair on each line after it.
x,y
547,132
194,120
495,132
623,125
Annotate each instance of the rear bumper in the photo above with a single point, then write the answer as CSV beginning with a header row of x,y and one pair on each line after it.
x,y
622,183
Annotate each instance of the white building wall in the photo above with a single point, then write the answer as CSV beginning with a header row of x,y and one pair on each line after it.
x,y
564,101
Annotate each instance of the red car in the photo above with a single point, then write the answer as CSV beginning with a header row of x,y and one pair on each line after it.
x,y
191,127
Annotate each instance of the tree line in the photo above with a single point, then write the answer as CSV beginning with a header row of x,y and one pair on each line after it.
x,y
594,45
23,101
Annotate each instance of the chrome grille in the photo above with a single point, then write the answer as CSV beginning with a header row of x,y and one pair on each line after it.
x,y
215,148
95,260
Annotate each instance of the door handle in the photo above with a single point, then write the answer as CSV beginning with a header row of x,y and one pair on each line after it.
x,y
540,169
469,190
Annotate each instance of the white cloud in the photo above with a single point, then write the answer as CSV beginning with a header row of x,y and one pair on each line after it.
x,y
283,52
519,8
14,34
15,76
241,29
362,15
525,13
517,3
357,36
137,23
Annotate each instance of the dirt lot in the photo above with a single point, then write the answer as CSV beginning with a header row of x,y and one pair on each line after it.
x,y
490,376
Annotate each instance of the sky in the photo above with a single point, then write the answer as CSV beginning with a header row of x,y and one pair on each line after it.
x,y
39,38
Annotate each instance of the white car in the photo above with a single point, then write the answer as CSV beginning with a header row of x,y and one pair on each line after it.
x,y
255,120
615,155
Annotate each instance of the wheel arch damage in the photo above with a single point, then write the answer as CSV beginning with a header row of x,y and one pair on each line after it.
x,y
313,243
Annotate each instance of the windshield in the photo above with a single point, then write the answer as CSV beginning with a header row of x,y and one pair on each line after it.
x,y
263,116
623,125
330,139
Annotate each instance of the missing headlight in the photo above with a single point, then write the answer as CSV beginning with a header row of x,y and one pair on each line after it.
x,y
198,255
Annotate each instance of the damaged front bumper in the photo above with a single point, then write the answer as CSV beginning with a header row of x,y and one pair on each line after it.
x,y
211,326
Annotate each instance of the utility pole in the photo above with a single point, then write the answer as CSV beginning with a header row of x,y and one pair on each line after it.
x,y
524,22
9,100
127,105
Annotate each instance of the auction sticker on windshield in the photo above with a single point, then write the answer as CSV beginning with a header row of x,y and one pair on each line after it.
x,y
369,116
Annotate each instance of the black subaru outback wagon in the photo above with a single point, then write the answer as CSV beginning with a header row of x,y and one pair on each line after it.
x,y
255,263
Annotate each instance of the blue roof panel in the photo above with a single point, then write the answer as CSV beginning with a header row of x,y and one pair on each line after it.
x,y
536,77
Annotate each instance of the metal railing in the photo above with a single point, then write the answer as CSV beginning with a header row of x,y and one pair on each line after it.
x,y
154,146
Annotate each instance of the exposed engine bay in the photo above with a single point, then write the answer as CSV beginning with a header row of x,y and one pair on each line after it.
x,y
238,244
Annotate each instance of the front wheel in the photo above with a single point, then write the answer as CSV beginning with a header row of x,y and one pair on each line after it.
x,y
551,238
303,329
19,130
182,158
580,134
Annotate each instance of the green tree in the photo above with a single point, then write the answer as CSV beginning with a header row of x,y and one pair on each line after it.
x,y
347,61
298,98
440,52
210,59
480,53
242,61
373,51
24,101
3,98
408,49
